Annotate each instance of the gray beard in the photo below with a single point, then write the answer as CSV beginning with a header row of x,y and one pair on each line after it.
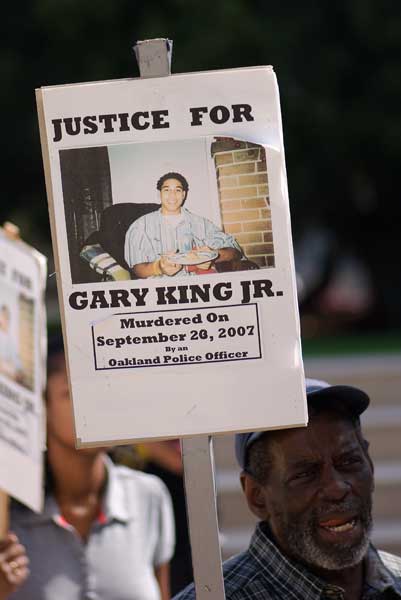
x,y
307,547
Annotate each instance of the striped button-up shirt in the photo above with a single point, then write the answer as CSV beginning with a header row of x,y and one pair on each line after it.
x,y
151,236
263,573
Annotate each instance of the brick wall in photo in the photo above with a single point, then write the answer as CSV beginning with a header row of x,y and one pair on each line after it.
x,y
244,197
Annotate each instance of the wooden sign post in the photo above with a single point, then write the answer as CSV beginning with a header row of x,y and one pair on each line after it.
x,y
200,491
154,60
4,516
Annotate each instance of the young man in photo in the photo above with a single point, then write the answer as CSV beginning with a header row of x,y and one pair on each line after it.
x,y
152,240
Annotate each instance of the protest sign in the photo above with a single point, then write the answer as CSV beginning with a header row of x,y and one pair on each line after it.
x,y
22,370
184,320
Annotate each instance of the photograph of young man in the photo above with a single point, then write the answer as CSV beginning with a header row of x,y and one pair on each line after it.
x,y
152,240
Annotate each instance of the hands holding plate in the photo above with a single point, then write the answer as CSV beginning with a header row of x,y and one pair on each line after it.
x,y
205,252
167,266
171,263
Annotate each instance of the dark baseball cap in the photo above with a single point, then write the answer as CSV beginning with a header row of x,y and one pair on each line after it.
x,y
354,400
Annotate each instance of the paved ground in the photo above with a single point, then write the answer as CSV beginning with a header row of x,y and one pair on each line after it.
x,y
380,376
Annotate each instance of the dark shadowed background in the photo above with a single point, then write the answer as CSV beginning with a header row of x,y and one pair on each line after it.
x,y
338,69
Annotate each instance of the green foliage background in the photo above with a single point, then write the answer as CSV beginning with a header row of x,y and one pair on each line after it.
x,y
338,66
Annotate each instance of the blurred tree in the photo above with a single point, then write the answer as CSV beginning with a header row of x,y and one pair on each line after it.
x,y
338,70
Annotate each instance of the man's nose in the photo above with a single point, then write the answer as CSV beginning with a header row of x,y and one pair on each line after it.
x,y
334,485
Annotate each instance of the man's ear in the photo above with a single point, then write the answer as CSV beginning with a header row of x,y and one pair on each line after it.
x,y
372,467
255,496
365,447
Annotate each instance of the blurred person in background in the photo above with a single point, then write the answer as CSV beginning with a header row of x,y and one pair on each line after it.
x,y
106,532
164,460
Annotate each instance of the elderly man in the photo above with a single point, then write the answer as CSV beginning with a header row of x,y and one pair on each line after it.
x,y
311,488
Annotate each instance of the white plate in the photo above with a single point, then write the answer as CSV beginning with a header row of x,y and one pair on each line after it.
x,y
193,257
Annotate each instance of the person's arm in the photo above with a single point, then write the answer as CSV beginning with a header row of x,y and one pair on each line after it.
x,y
13,565
162,573
139,251
224,243
224,255
164,549
161,266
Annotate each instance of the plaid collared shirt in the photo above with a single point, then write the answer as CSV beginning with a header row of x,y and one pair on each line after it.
x,y
263,573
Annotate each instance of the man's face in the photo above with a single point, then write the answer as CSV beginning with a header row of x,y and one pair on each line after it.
x,y
172,196
318,496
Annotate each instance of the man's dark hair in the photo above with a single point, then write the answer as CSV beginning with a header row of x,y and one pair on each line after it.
x,y
259,461
173,175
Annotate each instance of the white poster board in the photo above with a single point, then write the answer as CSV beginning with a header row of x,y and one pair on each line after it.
x,y
204,351
22,370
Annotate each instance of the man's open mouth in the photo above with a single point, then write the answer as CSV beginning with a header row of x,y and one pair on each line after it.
x,y
339,525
